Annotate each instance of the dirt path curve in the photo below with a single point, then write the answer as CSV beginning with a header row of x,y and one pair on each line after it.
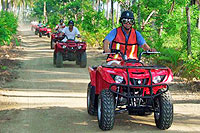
x,y
48,99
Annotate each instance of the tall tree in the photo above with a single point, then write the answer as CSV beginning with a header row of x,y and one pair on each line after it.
x,y
188,31
107,14
112,12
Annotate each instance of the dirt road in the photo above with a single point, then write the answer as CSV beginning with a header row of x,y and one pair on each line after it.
x,y
45,99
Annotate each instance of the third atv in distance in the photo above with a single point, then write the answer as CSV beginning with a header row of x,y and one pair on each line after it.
x,y
44,31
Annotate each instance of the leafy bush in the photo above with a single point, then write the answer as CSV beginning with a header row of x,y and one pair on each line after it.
x,y
8,27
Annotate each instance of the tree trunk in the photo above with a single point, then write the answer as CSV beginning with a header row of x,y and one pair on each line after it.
x,y
117,14
112,13
45,11
7,5
161,30
144,23
139,16
107,2
97,5
3,5
188,32
172,7
198,19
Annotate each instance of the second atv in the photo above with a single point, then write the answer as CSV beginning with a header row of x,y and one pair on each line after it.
x,y
72,51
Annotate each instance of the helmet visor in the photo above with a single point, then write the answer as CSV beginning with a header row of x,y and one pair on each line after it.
x,y
126,20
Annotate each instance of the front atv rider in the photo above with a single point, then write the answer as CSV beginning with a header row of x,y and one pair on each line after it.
x,y
126,39
59,27
71,31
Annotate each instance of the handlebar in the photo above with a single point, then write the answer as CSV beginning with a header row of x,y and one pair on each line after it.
x,y
148,53
124,57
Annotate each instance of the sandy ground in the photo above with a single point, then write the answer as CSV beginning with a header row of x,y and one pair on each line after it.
x,y
49,99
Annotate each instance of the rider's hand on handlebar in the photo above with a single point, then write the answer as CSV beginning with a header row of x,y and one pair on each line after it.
x,y
107,51
152,50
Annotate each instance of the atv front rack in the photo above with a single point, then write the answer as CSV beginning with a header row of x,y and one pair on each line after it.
x,y
128,86
142,86
136,67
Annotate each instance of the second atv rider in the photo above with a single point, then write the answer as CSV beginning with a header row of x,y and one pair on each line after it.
x,y
126,39
71,32
59,27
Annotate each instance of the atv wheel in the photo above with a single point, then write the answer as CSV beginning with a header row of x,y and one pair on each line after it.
x,y
54,58
52,44
91,100
78,59
36,32
163,114
59,59
40,34
106,110
48,35
83,60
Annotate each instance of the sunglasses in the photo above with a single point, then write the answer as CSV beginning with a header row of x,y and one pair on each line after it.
x,y
130,21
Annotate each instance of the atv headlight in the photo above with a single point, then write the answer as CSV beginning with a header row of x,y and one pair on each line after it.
x,y
118,79
63,46
158,79
79,47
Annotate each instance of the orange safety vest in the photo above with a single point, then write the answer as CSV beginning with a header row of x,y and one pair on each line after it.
x,y
128,48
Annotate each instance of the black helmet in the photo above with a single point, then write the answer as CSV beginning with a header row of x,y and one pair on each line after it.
x,y
126,14
61,21
40,21
71,22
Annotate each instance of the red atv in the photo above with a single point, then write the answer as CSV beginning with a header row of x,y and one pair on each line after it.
x,y
37,28
71,51
131,87
44,31
33,27
54,38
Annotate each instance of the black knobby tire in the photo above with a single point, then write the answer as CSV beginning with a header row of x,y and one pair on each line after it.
x,y
91,100
36,32
164,106
78,58
59,59
106,110
83,60
40,34
48,35
54,58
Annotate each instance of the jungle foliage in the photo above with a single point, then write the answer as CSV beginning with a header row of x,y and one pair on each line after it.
x,y
8,27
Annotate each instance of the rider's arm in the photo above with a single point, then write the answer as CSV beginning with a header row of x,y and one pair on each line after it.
x,y
106,48
142,43
77,32
63,32
108,39
56,28
147,48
